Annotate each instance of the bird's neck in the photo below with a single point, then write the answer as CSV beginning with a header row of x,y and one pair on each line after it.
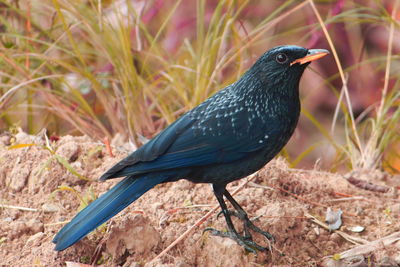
x,y
256,89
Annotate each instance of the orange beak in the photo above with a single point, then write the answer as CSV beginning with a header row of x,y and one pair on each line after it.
x,y
313,54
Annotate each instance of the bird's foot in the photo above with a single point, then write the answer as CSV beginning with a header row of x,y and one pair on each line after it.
x,y
244,241
248,224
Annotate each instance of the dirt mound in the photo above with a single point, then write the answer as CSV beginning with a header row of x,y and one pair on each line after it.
x,y
288,203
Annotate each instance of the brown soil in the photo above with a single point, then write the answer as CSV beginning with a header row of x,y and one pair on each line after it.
x,y
279,198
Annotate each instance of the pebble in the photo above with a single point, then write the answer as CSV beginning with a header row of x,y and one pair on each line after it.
x,y
69,151
5,139
34,240
49,207
35,226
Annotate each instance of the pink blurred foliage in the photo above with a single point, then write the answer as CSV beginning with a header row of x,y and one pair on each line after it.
x,y
354,44
364,87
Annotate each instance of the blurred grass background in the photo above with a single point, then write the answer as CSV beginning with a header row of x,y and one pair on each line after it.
x,y
133,66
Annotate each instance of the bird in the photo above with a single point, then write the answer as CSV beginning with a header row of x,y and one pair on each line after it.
x,y
232,134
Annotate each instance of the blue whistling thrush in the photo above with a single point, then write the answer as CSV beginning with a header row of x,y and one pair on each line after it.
x,y
232,134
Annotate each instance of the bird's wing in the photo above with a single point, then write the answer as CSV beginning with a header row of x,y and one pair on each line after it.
x,y
182,145
152,149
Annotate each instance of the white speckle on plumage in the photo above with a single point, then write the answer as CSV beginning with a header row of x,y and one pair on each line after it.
x,y
241,109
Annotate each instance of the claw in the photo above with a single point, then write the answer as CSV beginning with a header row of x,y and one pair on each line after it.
x,y
243,241
230,213
209,229
250,225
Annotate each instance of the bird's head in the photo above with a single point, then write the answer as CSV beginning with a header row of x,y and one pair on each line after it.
x,y
282,66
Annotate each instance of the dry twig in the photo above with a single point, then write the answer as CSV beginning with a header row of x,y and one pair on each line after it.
x,y
351,239
17,208
366,185
371,246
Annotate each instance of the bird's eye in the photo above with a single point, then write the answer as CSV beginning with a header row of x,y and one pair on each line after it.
x,y
281,58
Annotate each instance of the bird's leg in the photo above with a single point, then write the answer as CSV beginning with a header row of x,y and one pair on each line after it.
x,y
242,215
231,213
246,240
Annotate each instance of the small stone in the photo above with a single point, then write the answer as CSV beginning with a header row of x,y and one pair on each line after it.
x,y
69,151
50,207
35,226
35,240
5,139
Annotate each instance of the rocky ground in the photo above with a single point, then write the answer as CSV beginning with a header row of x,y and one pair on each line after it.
x,y
42,187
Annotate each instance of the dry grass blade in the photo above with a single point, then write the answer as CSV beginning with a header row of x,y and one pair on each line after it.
x,y
3,206
388,59
12,90
256,35
381,131
377,132
342,75
351,239
371,246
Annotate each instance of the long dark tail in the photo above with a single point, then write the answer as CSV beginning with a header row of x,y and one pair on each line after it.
x,y
105,207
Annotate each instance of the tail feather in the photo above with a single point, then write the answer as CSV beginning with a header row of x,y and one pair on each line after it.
x,y
103,208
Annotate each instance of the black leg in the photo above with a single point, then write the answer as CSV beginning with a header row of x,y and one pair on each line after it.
x,y
246,240
218,191
242,215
